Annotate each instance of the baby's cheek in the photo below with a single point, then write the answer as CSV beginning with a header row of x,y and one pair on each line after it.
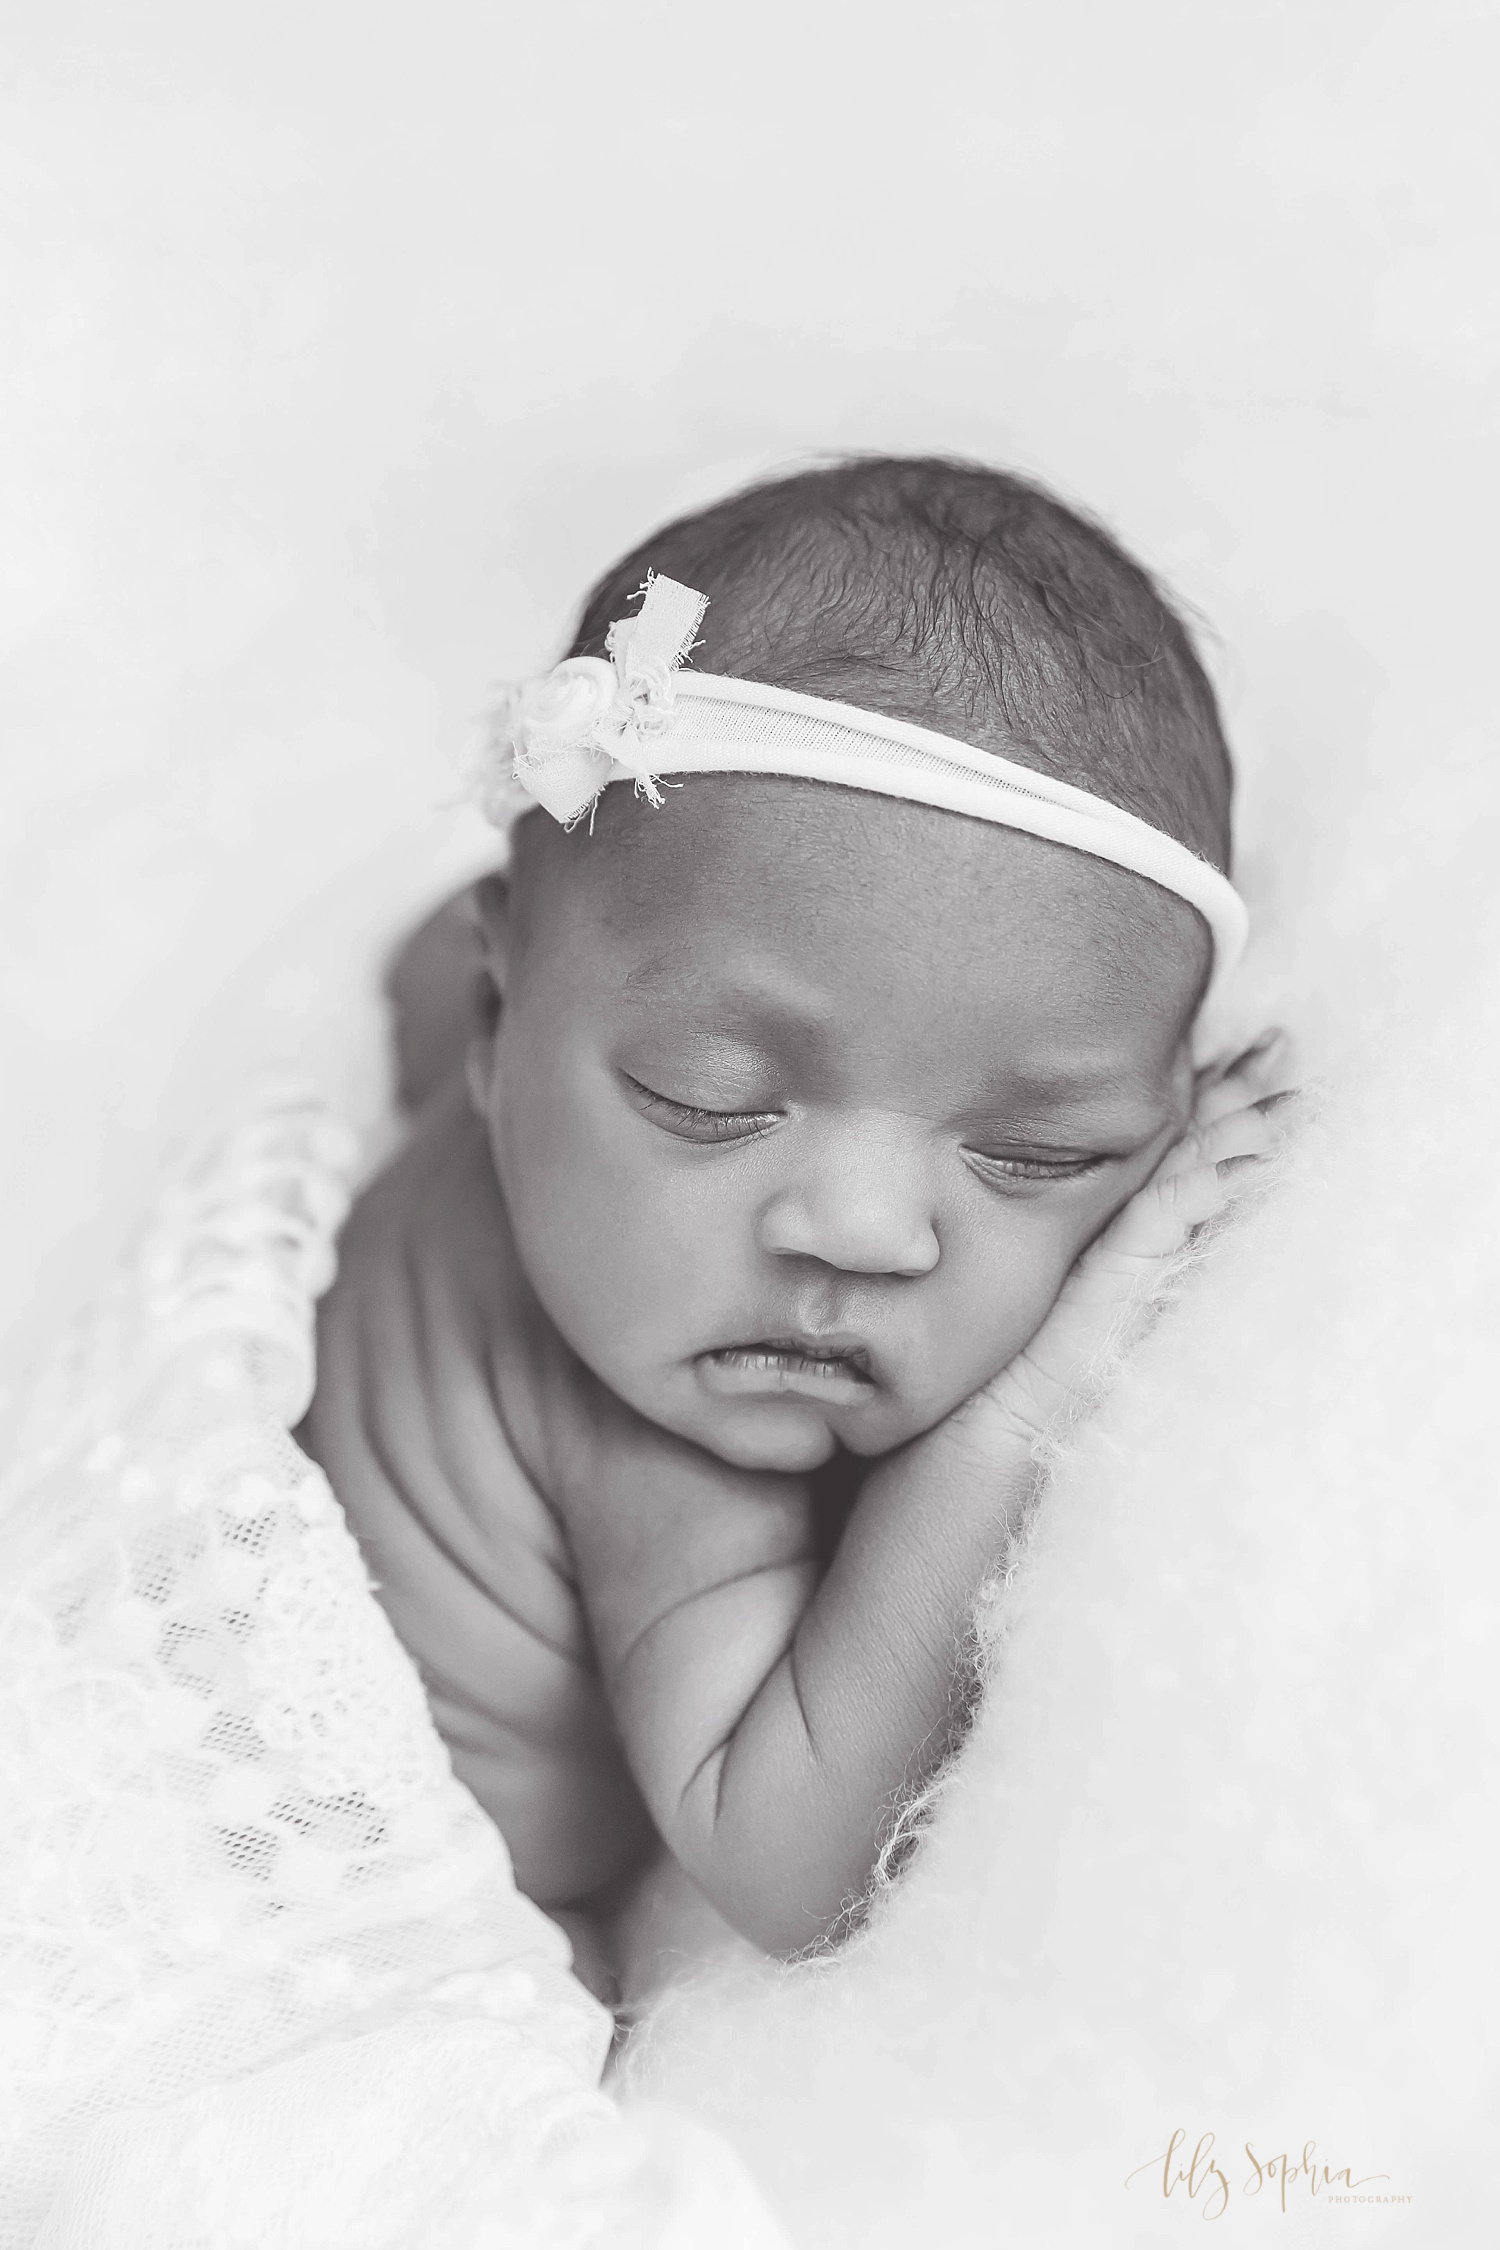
x,y
1006,1293
615,1259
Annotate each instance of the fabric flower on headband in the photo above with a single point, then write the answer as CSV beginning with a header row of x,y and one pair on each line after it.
x,y
560,736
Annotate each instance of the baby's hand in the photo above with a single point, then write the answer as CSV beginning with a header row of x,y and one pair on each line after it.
x,y
1109,1294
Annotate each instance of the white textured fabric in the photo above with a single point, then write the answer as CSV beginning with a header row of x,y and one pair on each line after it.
x,y
561,739
265,1977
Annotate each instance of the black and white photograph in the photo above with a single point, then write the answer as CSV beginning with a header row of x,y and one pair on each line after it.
x,y
750,961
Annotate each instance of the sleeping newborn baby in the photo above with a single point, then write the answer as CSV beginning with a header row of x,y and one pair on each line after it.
x,y
849,1073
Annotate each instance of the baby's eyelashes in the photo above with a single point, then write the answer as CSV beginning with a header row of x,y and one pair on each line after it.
x,y
689,1121
1030,1166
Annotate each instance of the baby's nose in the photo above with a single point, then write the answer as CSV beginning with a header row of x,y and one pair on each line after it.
x,y
863,1206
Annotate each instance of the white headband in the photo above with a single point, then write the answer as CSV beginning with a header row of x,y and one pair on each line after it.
x,y
561,738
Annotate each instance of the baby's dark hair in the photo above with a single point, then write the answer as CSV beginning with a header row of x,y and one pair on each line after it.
x,y
960,598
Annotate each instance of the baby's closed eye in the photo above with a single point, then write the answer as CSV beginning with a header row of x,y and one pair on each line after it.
x,y
697,1121
1032,1164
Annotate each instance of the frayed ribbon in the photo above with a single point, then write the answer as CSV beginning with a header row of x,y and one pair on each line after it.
x,y
561,736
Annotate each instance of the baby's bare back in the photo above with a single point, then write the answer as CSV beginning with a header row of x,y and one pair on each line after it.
x,y
421,1368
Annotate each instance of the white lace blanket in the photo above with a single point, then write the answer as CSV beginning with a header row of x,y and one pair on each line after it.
x,y
265,1977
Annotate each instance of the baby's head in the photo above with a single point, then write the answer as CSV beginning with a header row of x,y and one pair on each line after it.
x,y
804,1099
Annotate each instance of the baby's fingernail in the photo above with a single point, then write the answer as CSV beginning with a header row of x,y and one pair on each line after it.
x,y
1227,1166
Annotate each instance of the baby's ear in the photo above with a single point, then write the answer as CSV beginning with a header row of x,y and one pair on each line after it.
x,y
489,908
433,988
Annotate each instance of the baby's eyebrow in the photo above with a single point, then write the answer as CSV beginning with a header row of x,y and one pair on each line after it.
x,y
742,985
1089,1112
738,1006
1065,1089
1096,1096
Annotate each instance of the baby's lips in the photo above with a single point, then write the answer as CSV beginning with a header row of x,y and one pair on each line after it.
x,y
780,1369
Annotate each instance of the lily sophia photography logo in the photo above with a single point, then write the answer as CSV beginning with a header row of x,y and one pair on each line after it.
x,y
1197,2174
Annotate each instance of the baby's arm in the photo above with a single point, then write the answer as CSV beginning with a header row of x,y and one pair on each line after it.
x,y
773,1718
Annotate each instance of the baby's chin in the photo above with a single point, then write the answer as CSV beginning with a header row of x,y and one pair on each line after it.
x,y
788,1439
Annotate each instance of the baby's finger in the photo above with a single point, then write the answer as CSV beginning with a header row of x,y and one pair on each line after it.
x,y
1250,1058
1154,1224
1261,1072
1243,1132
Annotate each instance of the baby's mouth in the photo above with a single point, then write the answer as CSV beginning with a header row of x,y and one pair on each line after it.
x,y
835,1371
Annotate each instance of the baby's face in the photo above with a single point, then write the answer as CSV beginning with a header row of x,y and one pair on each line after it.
x,y
804,1102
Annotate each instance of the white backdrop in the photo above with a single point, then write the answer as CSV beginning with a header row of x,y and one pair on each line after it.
x,y
345,343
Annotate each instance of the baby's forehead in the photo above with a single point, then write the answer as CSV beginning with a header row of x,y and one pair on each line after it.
x,y
850,886
726,846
